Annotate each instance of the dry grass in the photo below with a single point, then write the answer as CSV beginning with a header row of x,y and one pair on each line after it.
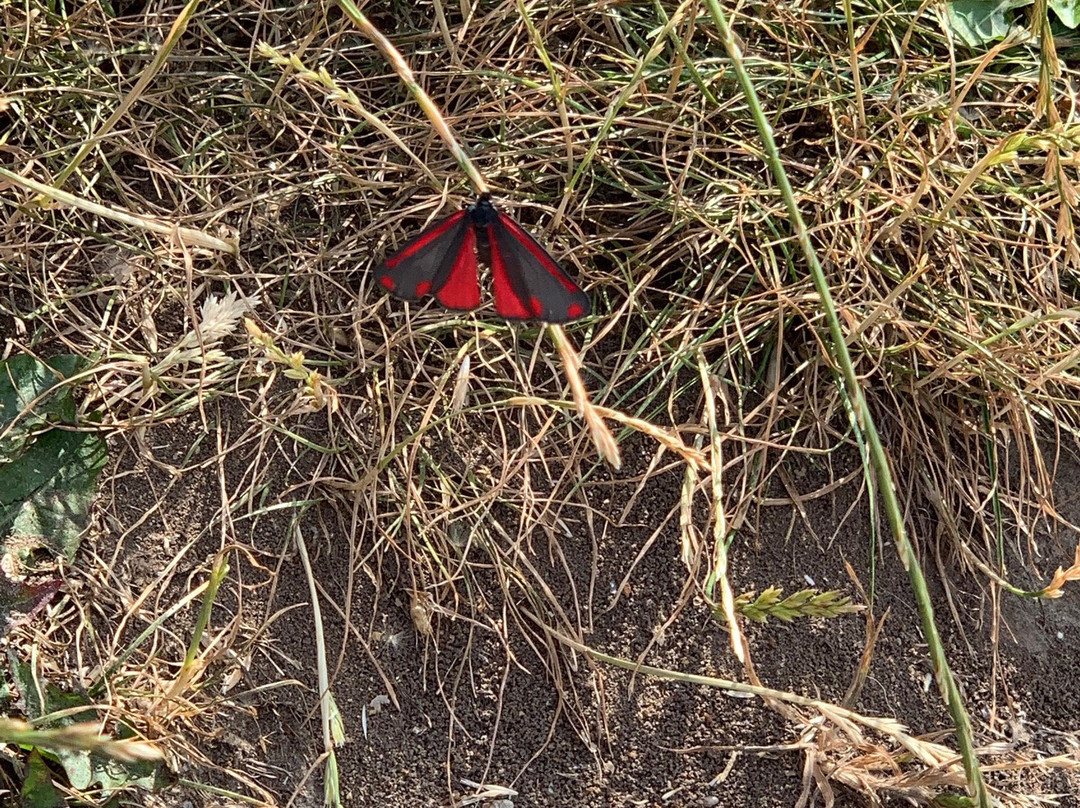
x,y
445,445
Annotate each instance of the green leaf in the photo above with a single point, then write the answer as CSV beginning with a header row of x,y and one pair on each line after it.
x,y
77,766
38,790
48,470
25,384
1068,11
979,22
84,769
26,686
58,512
41,459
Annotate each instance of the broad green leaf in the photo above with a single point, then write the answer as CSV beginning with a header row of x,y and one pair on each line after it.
x,y
84,769
25,385
1068,11
979,22
77,767
41,459
58,511
112,775
38,790
25,685
48,469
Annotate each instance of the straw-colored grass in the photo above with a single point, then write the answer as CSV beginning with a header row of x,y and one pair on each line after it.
x,y
937,184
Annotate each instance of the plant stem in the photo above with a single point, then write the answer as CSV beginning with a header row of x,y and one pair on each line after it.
x,y
864,422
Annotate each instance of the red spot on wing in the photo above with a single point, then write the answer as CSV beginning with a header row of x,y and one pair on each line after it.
x,y
387,282
574,310
423,288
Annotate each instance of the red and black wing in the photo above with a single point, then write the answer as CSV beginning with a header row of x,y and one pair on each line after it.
x,y
529,285
441,261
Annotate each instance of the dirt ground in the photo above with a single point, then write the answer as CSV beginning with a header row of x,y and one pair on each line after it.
x,y
479,702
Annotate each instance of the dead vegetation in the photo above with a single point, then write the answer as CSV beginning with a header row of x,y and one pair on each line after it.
x,y
442,449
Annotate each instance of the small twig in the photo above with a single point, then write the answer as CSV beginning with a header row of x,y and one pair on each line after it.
x,y
429,107
327,709
186,236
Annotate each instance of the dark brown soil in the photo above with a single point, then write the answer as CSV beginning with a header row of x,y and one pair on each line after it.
x,y
471,705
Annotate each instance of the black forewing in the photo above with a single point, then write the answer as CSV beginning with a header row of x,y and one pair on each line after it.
x,y
442,254
528,283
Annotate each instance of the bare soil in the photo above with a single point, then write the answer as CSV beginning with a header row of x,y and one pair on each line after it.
x,y
480,701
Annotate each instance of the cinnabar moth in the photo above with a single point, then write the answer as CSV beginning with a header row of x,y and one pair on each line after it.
x,y
442,261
